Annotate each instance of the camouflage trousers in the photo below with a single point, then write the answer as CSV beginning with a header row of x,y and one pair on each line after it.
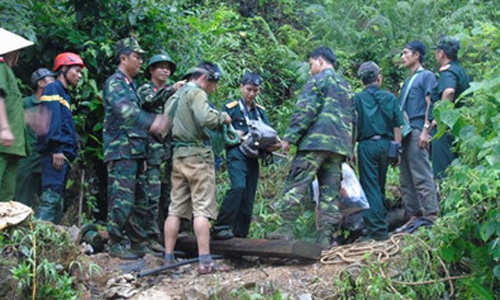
x,y
166,188
307,165
153,191
129,212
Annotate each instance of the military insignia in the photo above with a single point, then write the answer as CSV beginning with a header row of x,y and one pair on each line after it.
x,y
444,68
232,104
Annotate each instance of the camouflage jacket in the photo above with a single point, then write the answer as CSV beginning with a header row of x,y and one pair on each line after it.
x,y
152,98
324,115
193,115
125,125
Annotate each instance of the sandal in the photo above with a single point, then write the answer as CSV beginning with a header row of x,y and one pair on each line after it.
x,y
204,269
408,224
422,221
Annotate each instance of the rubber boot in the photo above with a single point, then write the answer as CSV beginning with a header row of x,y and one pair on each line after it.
x,y
50,206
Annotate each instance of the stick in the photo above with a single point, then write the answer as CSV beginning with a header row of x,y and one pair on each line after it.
x,y
80,200
431,281
172,266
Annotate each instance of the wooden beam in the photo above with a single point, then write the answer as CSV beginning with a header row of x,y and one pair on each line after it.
x,y
255,247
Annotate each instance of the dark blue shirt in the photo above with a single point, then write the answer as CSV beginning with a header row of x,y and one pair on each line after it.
x,y
415,105
61,135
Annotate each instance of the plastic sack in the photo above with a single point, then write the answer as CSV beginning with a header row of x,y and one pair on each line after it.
x,y
352,197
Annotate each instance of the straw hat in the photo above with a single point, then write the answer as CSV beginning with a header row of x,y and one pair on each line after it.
x,y
11,42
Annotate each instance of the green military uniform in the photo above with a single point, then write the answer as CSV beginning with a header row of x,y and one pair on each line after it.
x,y
237,206
378,114
193,194
9,156
125,136
152,99
322,129
454,76
28,182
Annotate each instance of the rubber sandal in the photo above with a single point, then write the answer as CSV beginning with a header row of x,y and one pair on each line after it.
x,y
422,221
204,269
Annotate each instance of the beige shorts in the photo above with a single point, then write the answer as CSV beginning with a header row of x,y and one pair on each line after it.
x,y
193,188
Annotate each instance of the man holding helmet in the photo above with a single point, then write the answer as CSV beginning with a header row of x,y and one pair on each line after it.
x,y
28,182
152,96
235,214
60,144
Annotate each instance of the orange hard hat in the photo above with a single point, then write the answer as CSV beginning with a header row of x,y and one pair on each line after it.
x,y
67,59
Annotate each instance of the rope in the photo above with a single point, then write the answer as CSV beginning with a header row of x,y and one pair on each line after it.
x,y
357,253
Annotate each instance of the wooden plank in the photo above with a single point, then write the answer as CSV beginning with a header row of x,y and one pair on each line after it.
x,y
255,247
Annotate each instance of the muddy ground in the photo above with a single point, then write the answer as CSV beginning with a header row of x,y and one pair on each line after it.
x,y
292,279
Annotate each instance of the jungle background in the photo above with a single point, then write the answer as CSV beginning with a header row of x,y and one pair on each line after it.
x,y
274,38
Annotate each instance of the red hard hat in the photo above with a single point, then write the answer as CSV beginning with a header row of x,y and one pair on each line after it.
x,y
67,59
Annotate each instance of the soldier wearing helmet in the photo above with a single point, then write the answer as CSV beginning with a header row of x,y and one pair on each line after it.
x,y
28,182
453,81
126,130
152,96
60,144
12,136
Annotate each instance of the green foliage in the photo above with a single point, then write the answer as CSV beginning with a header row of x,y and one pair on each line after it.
x,y
43,252
273,38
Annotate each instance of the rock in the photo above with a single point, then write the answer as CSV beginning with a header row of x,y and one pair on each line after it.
x,y
305,297
198,292
137,265
151,294
8,285
396,218
124,286
73,233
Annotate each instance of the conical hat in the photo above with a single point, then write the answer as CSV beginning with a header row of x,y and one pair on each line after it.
x,y
11,42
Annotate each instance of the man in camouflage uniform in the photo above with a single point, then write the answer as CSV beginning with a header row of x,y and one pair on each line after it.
x,y
28,181
378,128
453,81
152,96
125,134
322,129
193,174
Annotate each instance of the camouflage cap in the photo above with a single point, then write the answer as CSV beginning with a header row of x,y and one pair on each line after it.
x,y
449,44
368,72
128,44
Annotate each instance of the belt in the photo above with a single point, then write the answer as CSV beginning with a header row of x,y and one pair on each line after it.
x,y
378,137
178,144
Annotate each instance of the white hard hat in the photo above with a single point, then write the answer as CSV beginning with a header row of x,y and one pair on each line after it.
x,y
11,42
